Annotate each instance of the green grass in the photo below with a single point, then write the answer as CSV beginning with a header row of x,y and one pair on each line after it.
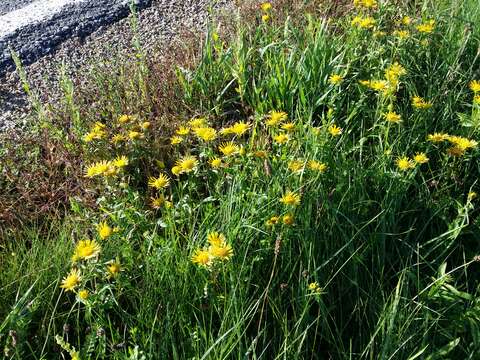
x,y
394,253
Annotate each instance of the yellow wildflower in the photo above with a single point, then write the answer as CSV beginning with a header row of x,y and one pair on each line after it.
x,y
113,269
335,79
281,138
134,135
406,20
420,103
393,117
290,198
474,86
175,140
471,195
295,165
183,130
215,238
123,119
187,163
334,130
276,117
83,294
317,166
120,161
288,219
72,280
215,163
228,148
202,257
290,126
272,221
86,249
420,158
437,137
266,6
145,125
162,181
223,252
176,170
455,151
260,154
104,230
401,34
426,27
197,122
205,133
265,18
240,128
157,202
404,163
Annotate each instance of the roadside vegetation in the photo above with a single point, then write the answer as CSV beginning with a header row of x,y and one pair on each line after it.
x,y
299,183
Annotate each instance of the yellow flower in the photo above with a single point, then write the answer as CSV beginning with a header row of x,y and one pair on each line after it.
x,y
72,280
404,163
183,130
176,170
462,143
123,119
113,268
104,230
474,86
317,166
476,99
187,164
215,238
394,71
118,138
276,117
120,161
202,257
420,103
83,294
162,181
290,198
420,158
406,20
175,140
157,202
426,27
281,138
335,79
223,252
295,165
288,219
240,128
266,6
314,287
471,195
265,17
94,135
401,34
205,133
363,22
334,130
365,3
290,126
272,221
134,135
228,148
215,163
197,122
437,137
145,125
86,249
393,117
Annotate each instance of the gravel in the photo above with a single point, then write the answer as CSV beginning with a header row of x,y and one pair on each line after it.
x,y
157,26
9,5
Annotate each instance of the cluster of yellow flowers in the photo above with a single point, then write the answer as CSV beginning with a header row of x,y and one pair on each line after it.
x,y
390,84
217,251
475,87
405,163
459,144
106,167
287,219
266,8
128,129
88,250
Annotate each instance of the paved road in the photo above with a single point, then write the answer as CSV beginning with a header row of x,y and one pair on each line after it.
x,y
36,28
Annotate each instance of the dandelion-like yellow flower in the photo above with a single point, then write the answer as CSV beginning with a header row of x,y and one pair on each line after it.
x,y
145,125
295,165
420,158
334,130
240,128
290,198
223,252
72,280
83,294
314,287
197,122
175,140
135,135
215,163
290,126
215,238
455,151
317,166
471,195
183,130
113,269
104,230
406,20
101,168
265,18
86,249
123,119
404,163
288,219
437,137
476,99
335,79
260,154
281,138
426,27
393,117
176,170
187,163
401,34
276,117
157,202
369,4
206,133
462,143
228,148
117,138
266,6
367,22
202,257
120,161
474,86
420,103
160,182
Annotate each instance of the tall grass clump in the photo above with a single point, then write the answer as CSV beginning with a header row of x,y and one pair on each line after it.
x,y
311,193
